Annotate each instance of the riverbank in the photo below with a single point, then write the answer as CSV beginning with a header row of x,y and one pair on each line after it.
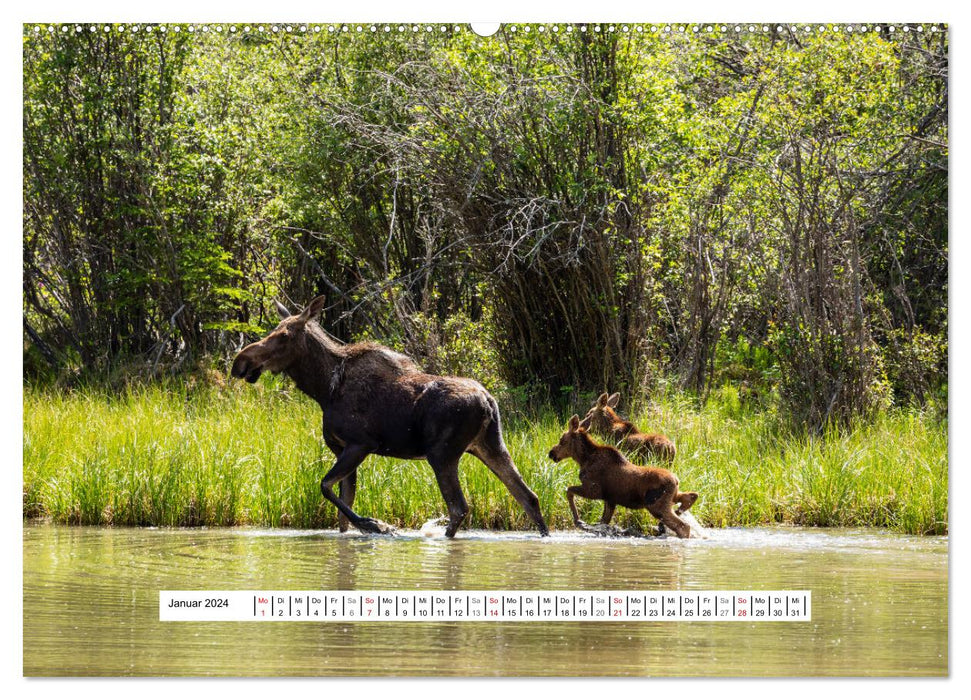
x,y
234,454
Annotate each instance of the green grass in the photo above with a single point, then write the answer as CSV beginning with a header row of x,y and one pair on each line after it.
x,y
183,455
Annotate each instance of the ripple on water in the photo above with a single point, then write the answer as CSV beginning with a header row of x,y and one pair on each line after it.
x,y
778,537
91,602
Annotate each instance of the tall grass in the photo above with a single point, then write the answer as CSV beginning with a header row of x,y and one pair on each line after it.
x,y
180,455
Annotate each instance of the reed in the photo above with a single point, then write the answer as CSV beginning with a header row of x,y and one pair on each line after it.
x,y
234,454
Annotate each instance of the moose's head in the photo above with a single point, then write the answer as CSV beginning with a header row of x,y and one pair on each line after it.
x,y
281,348
601,417
571,442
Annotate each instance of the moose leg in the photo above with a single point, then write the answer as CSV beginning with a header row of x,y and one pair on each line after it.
x,y
584,491
686,499
347,464
447,474
493,454
661,509
348,485
348,489
608,513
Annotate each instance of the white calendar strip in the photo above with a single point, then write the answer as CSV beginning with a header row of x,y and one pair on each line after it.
x,y
485,606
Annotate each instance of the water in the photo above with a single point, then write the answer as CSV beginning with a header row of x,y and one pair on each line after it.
x,y
91,603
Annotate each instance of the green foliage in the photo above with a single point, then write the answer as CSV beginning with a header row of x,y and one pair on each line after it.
x,y
457,347
585,209
913,360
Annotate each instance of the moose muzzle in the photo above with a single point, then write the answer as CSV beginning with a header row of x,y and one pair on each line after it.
x,y
244,368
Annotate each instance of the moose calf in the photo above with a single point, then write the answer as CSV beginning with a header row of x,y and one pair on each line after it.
x,y
606,475
603,421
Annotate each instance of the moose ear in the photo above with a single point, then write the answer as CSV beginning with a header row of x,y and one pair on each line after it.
x,y
314,307
613,400
574,423
602,399
283,311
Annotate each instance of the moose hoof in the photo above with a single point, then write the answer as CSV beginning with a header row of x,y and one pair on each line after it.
x,y
373,526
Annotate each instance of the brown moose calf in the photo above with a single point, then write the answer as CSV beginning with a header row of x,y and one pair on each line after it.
x,y
603,421
606,475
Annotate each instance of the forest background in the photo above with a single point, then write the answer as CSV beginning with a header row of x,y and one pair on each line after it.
x,y
743,232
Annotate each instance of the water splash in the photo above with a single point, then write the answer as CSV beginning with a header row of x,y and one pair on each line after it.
x,y
698,531
434,527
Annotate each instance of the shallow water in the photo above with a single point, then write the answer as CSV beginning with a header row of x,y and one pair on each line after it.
x,y
879,603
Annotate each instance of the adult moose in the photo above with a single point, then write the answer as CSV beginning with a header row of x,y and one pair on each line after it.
x,y
377,401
